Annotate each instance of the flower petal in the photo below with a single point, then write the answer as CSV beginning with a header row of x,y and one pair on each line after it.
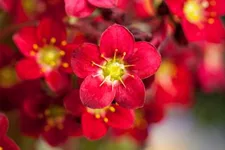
x,y
78,8
7,144
49,28
82,60
28,69
25,39
120,118
95,96
4,123
176,6
132,96
57,81
93,128
116,37
73,103
146,60
55,137
72,126
104,3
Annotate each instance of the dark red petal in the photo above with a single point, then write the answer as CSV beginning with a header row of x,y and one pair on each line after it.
x,y
28,69
78,8
31,126
95,96
176,6
25,39
55,137
73,103
132,96
104,3
82,60
146,60
4,123
72,126
57,81
122,118
7,144
116,37
93,128
49,28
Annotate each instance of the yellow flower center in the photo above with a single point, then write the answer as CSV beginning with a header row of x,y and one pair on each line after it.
x,y
114,69
49,57
193,11
55,116
8,77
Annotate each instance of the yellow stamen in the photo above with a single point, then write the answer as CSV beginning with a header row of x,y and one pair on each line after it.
x,y
114,57
53,40
65,65
64,43
97,116
93,63
32,53
62,53
102,56
122,82
106,120
112,109
124,54
35,46
1,148
211,20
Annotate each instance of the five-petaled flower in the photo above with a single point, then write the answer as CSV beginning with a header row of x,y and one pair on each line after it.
x,y
5,142
199,17
95,122
114,69
45,116
47,53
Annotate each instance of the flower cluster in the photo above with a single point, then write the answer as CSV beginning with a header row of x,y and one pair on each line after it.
x,y
104,68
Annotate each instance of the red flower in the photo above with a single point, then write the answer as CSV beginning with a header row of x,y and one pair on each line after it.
x,y
199,17
144,117
83,8
173,85
43,116
47,53
95,122
115,69
5,142
211,70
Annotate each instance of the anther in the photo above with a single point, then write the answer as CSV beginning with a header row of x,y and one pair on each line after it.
x,y
53,40
65,65
64,43
112,109
106,120
32,53
47,112
211,20
97,116
115,53
124,54
62,53
60,126
35,46
205,4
